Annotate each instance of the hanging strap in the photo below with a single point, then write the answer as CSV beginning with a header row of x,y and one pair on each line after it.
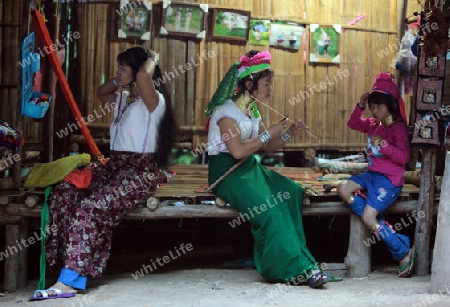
x,y
44,223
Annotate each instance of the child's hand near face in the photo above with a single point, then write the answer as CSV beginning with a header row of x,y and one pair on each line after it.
x,y
363,100
376,140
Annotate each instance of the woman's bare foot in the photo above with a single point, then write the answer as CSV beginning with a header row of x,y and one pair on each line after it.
x,y
60,286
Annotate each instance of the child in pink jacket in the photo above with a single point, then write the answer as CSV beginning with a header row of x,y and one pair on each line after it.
x,y
387,155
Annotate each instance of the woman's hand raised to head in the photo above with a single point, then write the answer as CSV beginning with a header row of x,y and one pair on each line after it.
x,y
145,83
153,55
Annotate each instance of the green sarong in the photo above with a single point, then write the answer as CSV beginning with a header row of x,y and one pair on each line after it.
x,y
271,203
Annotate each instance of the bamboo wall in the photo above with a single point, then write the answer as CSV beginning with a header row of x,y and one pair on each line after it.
x,y
10,21
324,111
92,59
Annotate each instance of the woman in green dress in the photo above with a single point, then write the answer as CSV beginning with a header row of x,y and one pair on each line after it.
x,y
270,202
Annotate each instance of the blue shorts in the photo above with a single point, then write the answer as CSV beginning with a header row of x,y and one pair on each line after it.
x,y
381,193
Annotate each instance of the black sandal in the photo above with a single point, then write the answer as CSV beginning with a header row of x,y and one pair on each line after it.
x,y
317,279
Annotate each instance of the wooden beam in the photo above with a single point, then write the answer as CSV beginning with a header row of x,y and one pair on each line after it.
x,y
7,219
424,222
213,211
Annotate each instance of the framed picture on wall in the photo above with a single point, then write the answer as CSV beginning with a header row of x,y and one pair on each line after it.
x,y
182,19
259,32
230,25
286,35
431,65
429,94
324,43
135,20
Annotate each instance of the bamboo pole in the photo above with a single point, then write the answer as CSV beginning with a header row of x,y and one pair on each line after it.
x,y
53,82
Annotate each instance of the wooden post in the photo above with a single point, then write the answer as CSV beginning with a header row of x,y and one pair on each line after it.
x,y
358,260
12,261
425,208
23,253
16,260
440,270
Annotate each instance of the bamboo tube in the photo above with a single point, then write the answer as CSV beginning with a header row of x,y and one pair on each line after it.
x,y
4,200
31,201
412,177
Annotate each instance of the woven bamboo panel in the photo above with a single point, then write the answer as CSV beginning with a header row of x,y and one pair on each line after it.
x,y
190,180
10,31
324,111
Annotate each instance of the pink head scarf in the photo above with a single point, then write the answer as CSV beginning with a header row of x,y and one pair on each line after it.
x,y
384,83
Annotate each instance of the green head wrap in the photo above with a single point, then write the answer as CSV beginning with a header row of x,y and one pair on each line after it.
x,y
225,89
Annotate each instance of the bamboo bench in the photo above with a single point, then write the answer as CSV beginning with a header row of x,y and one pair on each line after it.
x,y
200,205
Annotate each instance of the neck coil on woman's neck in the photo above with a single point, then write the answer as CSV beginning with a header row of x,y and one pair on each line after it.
x,y
244,102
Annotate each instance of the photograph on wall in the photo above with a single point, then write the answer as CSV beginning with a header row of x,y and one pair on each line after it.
x,y
259,32
324,43
184,19
135,20
286,34
230,25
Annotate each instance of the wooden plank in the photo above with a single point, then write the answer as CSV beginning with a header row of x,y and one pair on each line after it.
x,y
6,219
213,211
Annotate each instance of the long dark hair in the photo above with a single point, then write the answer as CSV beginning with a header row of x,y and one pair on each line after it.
x,y
241,87
135,57
167,128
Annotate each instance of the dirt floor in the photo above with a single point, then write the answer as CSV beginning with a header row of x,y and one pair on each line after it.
x,y
224,287
198,277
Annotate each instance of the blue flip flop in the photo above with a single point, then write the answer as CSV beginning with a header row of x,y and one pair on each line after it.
x,y
46,296
406,270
